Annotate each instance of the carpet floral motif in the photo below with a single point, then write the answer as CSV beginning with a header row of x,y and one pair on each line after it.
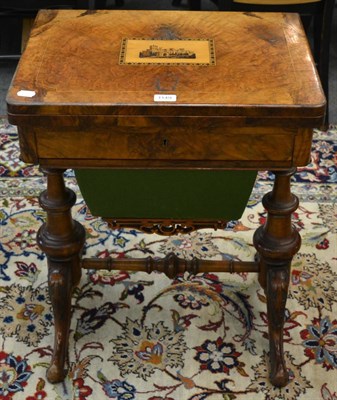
x,y
147,337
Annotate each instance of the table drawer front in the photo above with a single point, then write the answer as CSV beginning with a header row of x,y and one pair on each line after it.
x,y
180,144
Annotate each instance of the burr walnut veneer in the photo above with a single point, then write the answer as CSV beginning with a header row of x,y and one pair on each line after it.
x,y
167,93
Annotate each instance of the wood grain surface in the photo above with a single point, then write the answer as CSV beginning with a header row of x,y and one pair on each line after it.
x,y
263,66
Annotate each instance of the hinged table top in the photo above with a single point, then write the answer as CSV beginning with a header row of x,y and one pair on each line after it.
x,y
167,62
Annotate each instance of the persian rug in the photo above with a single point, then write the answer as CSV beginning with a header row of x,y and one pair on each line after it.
x,y
146,337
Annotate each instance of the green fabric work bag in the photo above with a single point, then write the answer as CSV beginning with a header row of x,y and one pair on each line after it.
x,y
166,194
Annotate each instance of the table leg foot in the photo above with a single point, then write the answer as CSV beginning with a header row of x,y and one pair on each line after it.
x,y
62,239
55,373
277,290
60,291
277,242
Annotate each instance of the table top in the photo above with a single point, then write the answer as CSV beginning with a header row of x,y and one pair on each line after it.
x,y
167,63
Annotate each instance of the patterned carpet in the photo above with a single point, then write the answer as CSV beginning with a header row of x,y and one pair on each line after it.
x,y
146,337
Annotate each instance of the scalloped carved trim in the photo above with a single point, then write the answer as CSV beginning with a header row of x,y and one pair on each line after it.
x,y
165,227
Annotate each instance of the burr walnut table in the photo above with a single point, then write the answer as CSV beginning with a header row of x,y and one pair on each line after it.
x,y
163,91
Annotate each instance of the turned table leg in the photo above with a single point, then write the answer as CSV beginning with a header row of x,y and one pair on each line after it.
x,y
277,242
62,239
